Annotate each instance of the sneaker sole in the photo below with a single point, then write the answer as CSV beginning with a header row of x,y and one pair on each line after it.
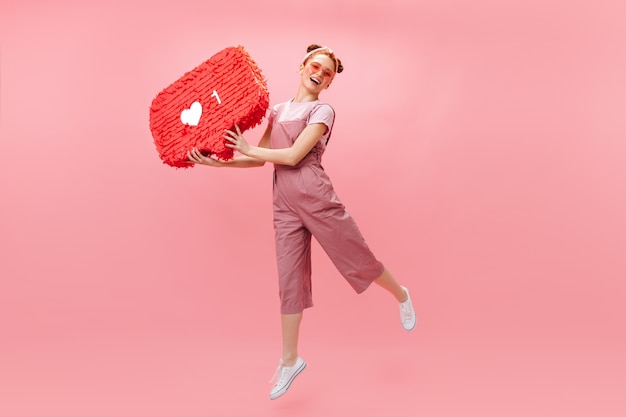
x,y
288,384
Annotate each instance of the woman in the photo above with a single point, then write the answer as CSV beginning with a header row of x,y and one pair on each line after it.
x,y
305,204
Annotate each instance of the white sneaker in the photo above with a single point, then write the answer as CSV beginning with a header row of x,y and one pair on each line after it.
x,y
284,376
407,313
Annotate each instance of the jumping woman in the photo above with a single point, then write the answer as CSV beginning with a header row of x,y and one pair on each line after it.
x,y
305,204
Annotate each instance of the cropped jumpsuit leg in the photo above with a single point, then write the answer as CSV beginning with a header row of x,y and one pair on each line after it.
x,y
305,204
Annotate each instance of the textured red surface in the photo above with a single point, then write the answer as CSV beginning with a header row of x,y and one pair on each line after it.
x,y
231,90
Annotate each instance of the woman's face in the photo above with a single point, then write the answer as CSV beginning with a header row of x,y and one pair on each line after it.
x,y
318,72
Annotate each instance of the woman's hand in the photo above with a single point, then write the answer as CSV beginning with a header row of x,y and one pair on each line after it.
x,y
237,141
197,158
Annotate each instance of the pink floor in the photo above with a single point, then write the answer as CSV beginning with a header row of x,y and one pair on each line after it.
x,y
367,367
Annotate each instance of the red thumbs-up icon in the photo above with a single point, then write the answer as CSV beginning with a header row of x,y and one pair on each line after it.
x,y
195,111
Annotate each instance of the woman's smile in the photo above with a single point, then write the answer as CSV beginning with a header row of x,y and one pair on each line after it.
x,y
318,71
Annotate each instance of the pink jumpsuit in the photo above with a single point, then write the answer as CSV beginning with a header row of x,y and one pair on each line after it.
x,y
305,204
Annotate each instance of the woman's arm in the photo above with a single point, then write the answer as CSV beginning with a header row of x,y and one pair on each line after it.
x,y
285,156
238,162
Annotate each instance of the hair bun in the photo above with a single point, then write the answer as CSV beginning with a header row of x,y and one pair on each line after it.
x,y
339,66
313,47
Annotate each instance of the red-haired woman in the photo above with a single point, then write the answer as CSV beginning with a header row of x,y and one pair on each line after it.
x,y
306,205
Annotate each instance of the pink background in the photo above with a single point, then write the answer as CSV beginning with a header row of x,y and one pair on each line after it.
x,y
480,145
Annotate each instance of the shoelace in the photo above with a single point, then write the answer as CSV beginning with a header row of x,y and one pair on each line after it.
x,y
277,372
406,310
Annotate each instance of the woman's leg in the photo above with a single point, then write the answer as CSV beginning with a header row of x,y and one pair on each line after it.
x,y
407,312
388,282
291,331
291,364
